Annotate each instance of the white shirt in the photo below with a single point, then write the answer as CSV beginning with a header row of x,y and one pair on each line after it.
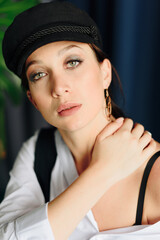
x,y
23,212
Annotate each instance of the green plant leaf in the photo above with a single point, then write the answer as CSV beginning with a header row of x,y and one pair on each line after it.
x,y
9,9
9,87
9,83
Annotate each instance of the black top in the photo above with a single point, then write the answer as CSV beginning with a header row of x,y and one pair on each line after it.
x,y
143,188
45,159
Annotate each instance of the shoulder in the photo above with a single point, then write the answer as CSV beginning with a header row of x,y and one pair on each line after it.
x,y
25,157
153,191
23,191
154,177
22,171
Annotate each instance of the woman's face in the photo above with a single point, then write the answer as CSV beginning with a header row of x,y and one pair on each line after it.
x,y
66,84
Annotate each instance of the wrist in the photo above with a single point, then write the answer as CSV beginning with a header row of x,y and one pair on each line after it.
x,y
102,177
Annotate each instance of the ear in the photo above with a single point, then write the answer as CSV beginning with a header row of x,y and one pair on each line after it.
x,y
29,95
106,68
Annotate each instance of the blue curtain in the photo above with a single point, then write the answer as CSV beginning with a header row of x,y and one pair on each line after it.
x,y
136,49
131,35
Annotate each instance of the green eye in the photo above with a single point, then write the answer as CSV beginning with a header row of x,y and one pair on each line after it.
x,y
37,76
73,63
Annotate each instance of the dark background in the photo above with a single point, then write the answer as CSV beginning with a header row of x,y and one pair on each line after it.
x,y
131,35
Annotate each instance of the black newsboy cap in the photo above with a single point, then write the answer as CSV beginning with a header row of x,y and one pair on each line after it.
x,y
43,24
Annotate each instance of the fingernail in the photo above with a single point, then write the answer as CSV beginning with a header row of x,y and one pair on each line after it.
x,y
149,133
119,120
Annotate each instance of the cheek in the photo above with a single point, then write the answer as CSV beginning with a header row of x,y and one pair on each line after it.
x,y
93,84
40,98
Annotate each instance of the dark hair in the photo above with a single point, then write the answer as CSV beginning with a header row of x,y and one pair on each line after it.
x,y
24,80
100,55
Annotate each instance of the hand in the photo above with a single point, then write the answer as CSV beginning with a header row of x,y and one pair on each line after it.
x,y
118,151
121,148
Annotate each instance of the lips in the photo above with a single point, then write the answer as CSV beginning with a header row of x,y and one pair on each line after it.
x,y
67,106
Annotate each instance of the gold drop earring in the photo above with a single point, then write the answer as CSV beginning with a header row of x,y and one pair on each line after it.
x,y
108,105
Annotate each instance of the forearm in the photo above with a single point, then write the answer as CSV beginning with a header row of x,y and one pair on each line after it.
x,y
67,210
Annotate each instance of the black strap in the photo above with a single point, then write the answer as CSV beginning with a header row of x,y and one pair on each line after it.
x,y
143,188
45,158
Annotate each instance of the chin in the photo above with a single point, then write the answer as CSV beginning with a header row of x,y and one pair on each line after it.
x,y
71,126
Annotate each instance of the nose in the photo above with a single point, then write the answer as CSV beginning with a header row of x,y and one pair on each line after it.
x,y
60,86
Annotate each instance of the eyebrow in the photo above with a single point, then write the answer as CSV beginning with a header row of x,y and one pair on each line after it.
x,y
62,51
32,62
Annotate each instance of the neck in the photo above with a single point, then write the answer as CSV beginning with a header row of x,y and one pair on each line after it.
x,y
81,141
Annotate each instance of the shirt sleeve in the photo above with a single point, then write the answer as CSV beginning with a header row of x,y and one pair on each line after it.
x,y
32,225
23,212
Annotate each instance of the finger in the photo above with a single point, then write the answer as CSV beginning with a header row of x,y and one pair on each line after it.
x,y
149,150
145,139
110,128
127,125
138,130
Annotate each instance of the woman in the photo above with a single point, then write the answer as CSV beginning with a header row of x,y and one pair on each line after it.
x,y
100,157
